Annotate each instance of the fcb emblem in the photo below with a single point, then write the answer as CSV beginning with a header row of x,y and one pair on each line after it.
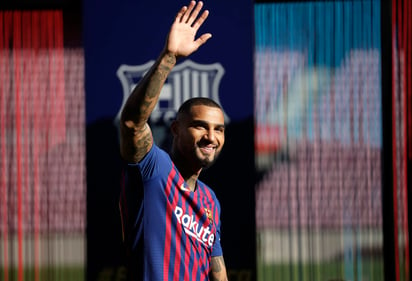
x,y
187,80
209,215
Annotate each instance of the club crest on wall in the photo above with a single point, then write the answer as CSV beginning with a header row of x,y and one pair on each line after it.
x,y
187,80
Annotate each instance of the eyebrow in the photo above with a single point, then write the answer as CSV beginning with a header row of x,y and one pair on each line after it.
x,y
205,123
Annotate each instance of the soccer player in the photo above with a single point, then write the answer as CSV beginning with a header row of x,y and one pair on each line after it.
x,y
171,219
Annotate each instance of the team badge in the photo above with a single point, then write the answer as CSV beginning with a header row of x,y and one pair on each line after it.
x,y
187,80
209,215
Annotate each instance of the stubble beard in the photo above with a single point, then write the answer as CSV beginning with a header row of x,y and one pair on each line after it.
x,y
208,160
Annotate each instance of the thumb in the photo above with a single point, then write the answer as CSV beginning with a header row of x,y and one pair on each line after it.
x,y
202,39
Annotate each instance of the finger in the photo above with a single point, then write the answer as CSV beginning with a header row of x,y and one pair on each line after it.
x,y
202,39
188,11
195,13
200,20
180,14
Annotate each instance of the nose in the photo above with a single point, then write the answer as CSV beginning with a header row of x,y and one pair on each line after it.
x,y
210,135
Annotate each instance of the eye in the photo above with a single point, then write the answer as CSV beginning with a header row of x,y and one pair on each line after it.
x,y
220,129
201,127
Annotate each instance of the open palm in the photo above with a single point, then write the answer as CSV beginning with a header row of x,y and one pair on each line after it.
x,y
182,36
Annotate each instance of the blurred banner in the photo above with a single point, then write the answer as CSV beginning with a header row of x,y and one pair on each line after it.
x,y
121,41
318,140
401,31
42,150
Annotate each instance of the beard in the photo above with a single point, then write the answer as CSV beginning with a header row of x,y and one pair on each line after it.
x,y
208,160
193,156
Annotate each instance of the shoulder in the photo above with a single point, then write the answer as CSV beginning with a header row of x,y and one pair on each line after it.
x,y
155,161
154,154
208,191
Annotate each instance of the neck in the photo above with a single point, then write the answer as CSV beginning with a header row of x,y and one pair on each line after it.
x,y
188,172
192,183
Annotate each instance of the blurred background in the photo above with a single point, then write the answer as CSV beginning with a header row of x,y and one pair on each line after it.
x,y
315,175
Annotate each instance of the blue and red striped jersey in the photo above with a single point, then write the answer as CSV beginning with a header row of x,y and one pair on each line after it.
x,y
170,232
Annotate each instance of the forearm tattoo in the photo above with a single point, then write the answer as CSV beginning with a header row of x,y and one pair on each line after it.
x,y
143,145
137,137
218,269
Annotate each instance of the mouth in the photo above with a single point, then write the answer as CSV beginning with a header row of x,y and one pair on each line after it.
x,y
207,150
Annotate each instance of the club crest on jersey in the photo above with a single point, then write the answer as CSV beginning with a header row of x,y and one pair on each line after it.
x,y
209,215
187,80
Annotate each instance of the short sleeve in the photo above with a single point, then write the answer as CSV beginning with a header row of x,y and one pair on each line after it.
x,y
155,161
217,248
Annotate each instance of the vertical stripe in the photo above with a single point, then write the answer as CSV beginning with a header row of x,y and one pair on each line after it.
x,y
35,123
167,266
207,196
4,77
179,243
25,82
186,246
204,84
195,270
168,234
195,259
408,52
177,90
187,259
406,89
58,108
186,84
19,186
36,137
195,82
395,174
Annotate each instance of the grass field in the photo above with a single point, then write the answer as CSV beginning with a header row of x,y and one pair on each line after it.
x,y
367,270
326,255
58,273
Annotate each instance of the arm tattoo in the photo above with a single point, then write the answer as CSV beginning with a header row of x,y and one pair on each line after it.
x,y
135,143
142,145
158,79
218,269
217,264
136,134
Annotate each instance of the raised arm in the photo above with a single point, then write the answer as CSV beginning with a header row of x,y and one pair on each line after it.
x,y
135,134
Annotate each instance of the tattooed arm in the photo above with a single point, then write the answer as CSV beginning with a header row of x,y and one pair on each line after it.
x,y
218,272
135,134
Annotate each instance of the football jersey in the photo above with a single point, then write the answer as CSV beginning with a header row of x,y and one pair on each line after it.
x,y
170,232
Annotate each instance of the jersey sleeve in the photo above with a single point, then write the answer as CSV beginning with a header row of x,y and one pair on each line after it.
x,y
217,248
155,161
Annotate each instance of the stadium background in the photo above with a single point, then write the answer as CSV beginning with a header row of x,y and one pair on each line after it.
x,y
314,177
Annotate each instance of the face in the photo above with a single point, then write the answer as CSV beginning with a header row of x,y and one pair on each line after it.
x,y
200,136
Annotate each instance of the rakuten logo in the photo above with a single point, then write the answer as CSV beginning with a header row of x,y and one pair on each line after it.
x,y
192,227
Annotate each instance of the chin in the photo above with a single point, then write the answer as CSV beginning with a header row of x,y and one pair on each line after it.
x,y
206,162
205,166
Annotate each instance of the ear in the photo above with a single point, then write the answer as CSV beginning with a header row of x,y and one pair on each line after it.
x,y
174,128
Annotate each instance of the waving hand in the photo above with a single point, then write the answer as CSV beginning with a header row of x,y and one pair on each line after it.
x,y
182,39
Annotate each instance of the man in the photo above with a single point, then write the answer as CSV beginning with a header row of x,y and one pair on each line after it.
x,y
171,220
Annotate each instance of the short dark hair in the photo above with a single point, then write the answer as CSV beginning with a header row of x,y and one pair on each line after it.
x,y
188,104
